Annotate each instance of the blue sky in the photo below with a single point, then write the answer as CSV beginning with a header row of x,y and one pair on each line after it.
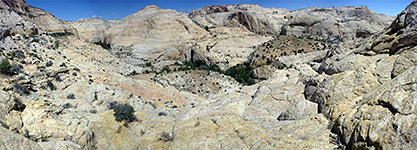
x,y
72,10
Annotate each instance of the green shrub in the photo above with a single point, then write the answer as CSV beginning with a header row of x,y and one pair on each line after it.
x,y
123,112
70,96
166,69
67,105
18,105
148,64
95,96
199,65
56,44
50,85
6,67
103,45
20,89
241,73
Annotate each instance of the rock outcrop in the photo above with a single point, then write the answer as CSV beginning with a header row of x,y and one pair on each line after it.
x,y
335,24
254,18
219,34
370,94
19,17
92,30
155,34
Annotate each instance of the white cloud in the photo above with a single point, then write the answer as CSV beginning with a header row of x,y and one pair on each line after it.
x,y
96,16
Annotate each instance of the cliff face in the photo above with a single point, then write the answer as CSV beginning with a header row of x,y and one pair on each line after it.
x,y
256,19
18,17
354,88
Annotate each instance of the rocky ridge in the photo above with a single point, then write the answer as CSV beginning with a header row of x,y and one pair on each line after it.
x,y
19,17
216,34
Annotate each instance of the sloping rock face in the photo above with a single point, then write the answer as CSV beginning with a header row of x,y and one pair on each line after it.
x,y
19,17
335,24
254,18
370,95
92,30
399,35
317,23
224,34
227,46
10,140
155,34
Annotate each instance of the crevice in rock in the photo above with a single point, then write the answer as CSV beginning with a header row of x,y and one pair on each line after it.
x,y
389,107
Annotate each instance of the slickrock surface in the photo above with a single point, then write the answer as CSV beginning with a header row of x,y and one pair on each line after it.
x,y
19,17
92,30
336,23
353,86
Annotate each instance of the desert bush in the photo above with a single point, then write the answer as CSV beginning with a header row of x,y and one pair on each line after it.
x,y
241,73
70,96
18,105
20,89
95,96
123,112
49,63
166,137
67,105
166,69
50,85
148,64
6,67
103,45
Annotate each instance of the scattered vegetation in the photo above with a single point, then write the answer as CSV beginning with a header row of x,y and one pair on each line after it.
x,y
241,73
166,69
95,96
162,114
70,96
67,105
6,67
284,45
4,125
50,85
103,45
198,65
17,54
60,34
166,137
18,105
123,112
58,78
49,63
20,89
148,64
56,44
